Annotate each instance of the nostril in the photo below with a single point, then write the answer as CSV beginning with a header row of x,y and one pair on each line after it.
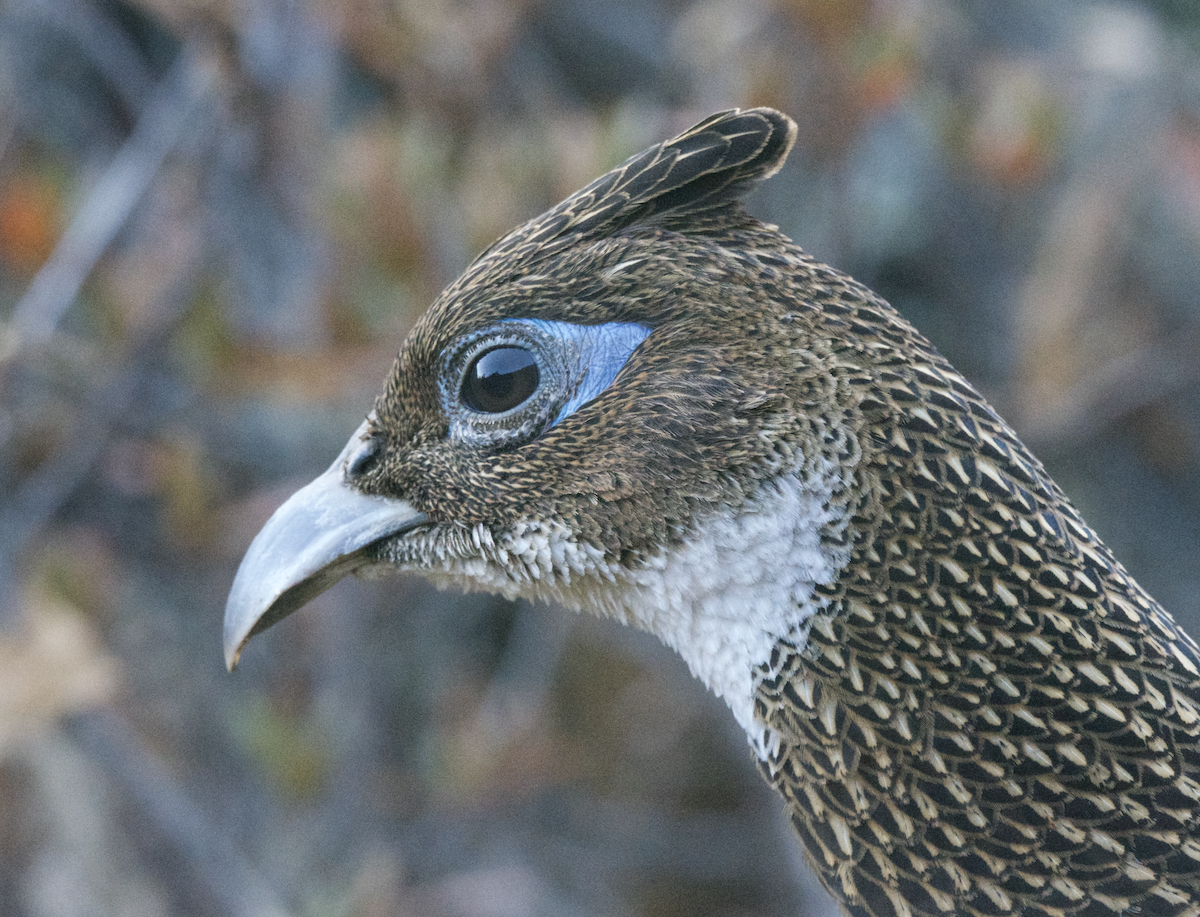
x,y
363,459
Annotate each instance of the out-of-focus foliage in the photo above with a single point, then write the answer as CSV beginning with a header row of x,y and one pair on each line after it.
x,y
217,221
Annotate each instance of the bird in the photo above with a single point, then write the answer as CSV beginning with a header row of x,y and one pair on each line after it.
x,y
649,405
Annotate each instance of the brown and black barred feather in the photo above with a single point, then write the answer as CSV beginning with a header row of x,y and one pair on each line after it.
x,y
989,716
707,166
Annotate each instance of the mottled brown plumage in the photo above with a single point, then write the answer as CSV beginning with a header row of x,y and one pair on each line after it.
x,y
990,716
967,704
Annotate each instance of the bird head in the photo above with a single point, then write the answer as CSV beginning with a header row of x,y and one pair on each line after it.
x,y
597,388
648,404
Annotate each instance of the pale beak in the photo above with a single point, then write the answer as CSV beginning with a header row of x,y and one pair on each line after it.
x,y
322,533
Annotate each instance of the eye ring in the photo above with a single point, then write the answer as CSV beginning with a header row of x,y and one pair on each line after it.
x,y
500,379
533,398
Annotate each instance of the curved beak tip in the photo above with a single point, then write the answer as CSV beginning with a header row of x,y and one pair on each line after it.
x,y
243,610
321,533
234,643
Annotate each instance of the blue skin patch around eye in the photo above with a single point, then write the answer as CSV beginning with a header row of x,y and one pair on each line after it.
x,y
601,352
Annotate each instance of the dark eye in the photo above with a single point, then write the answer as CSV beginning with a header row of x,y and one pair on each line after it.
x,y
500,379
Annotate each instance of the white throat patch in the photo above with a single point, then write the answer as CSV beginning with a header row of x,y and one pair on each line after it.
x,y
721,600
724,599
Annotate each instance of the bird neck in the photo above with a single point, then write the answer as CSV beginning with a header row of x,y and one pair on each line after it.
x,y
744,580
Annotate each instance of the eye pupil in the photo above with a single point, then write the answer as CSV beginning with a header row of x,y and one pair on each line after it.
x,y
500,379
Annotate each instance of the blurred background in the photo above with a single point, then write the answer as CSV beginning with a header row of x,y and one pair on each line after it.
x,y
217,221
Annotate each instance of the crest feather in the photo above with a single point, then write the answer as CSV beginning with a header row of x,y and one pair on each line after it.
x,y
707,166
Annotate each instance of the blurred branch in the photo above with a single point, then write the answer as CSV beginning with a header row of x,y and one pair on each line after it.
x,y
29,509
97,36
1113,391
8,124
1060,294
168,116
232,883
